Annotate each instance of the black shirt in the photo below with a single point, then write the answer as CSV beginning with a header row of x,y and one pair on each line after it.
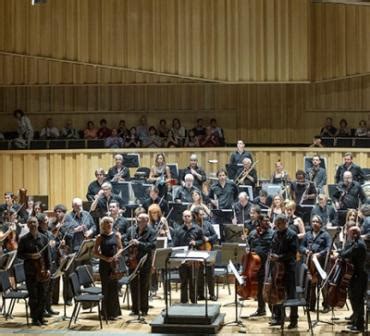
x,y
184,194
164,205
285,245
357,173
102,207
235,162
183,235
355,251
349,196
209,231
93,189
146,240
121,225
197,182
226,195
124,173
298,189
242,213
327,213
261,244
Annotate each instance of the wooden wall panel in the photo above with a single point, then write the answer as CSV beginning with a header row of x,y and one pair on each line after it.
x,y
66,174
230,40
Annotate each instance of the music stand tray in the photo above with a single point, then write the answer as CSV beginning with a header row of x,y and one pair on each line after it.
x,y
6,260
86,250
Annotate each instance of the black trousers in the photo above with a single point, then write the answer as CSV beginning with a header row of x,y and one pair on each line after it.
x,y
356,293
109,290
188,279
143,304
37,296
209,279
261,302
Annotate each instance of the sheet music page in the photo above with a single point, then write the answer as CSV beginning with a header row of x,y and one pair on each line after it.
x,y
236,273
198,254
319,268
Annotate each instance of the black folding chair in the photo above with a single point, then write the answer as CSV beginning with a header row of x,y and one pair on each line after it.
x,y
80,298
20,276
302,275
300,302
86,280
8,293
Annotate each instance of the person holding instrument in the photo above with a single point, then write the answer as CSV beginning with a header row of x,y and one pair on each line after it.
x,y
355,252
316,243
317,174
33,249
142,239
259,241
237,157
241,209
96,185
158,222
284,248
118,172
160,174
248,175
107,248
349,166
209,239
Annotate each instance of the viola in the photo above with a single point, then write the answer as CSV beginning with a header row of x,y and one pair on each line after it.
x,y
251,262
273,286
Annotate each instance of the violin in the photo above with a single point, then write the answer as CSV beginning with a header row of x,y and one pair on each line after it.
x,y
251,262
273,286
42,274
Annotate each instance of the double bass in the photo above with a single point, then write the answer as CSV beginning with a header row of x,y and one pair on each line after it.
x,y
273,286
251,262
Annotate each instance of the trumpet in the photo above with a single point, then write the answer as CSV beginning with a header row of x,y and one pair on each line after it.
x,y
245,173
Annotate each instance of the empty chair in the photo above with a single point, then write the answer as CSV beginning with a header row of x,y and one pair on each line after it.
x,y
86,280
20,276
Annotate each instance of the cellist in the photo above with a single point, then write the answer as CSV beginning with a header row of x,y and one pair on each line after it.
x,y
259,241
209,239
316,242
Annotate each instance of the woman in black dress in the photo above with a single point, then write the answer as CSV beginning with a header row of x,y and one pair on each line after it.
x,y
108,247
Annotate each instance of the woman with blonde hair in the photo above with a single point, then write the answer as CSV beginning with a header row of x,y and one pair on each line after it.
x,y
276,208
295,223
158,222
197,198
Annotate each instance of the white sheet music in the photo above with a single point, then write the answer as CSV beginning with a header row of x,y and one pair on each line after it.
x,y
198,254
236,273
318,267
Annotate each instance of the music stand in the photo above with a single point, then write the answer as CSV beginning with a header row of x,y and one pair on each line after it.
x,y
133,275
7,260
178,209
140,191
248,189
233,233
131,160
86,250
122,189
160,259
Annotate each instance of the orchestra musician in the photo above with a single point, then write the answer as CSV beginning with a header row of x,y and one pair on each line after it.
x,y
279,176
10,203
33,249
118,172
365,214
355,252
284,247
209,239
197,201
159,223
184,193
96,185
142,238
316,242
277,207
317,174
155,199
120,223
107,248
191,235
237,157
349,166
263,200
302,190
242,209
9,232
254,219
259,241
160,174
248,175
324,210
195,170
295,223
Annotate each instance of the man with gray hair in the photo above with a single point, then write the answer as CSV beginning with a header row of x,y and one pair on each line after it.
x,y
184,192
194,169
241,209
118,172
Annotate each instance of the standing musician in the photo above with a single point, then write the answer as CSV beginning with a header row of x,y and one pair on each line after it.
x,y
248,175
284,248
355,251
118,172
96,185
317,174
10,203
107,248
9,232
316,242
279,176
120,223
242,209
295,223
190,235
209,239
263,200
254,219
259,241
365,214
184,193
155,199
160,174
37,269
194,169
237,157
277,207
302,190
324,210
159,223
349,166
142,238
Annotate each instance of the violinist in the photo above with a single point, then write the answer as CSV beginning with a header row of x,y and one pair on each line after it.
x,y
10,232
355,252
96,185
317,174
324,210
284,248
120,223
184,193
197,201
191,235
155,199
118,172
142,238
295,223
33,249
242,209
316,242
9,199
254,219
107,248
43,221
159,223
259,241
209,239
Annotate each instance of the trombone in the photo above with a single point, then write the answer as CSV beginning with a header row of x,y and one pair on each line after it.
x,y
244,173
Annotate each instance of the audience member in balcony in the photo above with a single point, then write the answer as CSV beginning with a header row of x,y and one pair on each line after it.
x,y
142,130
91,132
171,141
152,140
122,130
218,132
191,139
328,130
210,139
316,142
25,129
179,132
69,132
199,129
343,130
49,131
163,129
362,130
104,132
114,140
132,140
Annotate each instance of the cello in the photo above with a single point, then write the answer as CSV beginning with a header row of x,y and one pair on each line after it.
x,y
273,286
251,262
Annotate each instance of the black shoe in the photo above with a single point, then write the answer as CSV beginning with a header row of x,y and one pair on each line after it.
x,y
144,314
52,312
258,313
43,322
69,303
201,298
293,325
213,298
47,314
355,329
274,323
349,318
325,310
133,313
36,323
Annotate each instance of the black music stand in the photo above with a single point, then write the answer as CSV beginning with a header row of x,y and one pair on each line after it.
x,y
178,209
140,191
86,250
160,259
122,189
7,260
233,233
221,217
131,160
133,275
